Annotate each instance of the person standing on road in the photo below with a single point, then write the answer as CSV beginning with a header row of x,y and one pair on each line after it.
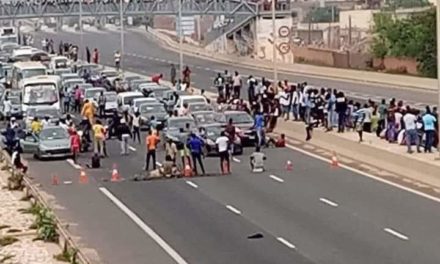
x,y
78,95
173,73
136,124
251,88
219,83
195,145
284,98
88,54
171,150
98,138
382,110
101,104
228,85
230,132
341,109
410,121
259,126
88,111
236,84
222,143
7,108
187,76
124,134
117,58
75,145
152,140
429,126
95,56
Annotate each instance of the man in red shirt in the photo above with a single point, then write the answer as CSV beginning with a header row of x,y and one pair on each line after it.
x,y
156,78
75,144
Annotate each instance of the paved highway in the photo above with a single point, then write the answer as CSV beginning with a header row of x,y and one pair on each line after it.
x,y
312,214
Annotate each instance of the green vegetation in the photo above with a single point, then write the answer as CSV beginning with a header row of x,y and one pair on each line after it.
x,y
413,37
396,4
68,255
46,226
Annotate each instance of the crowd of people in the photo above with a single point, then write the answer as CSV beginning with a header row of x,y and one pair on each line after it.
x,y
327,108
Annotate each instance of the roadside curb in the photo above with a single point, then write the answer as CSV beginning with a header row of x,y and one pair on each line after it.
x,y
65,240
406,82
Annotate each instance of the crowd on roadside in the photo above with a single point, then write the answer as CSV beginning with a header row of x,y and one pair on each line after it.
x,y
327,108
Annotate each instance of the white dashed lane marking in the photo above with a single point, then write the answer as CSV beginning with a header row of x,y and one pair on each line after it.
x,y
76,166
276,178
286,243
328,202
233,209
192,184
396,234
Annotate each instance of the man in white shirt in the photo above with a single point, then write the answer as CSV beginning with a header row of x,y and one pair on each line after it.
x,y
184,110
236,84
410,121
117,58
284,98
222,143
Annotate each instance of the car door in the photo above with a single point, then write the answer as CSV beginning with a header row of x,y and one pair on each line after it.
x,y
29,143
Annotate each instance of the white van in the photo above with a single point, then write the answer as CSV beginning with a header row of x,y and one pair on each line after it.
x,y
23,70
125,100
41,91
190,99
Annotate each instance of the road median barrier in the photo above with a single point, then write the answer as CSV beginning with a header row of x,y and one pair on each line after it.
x,y
47,225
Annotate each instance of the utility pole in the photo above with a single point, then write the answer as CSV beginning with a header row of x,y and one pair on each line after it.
x,y
121,21
438,68
274,50
180,38
349,31
81,49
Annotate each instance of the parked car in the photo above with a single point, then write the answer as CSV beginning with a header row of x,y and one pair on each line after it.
x,y
244,124
148,110
212,132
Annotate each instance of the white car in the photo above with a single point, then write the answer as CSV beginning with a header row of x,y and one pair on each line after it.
x,y
92,93
111,102
125,100
138,101
190,99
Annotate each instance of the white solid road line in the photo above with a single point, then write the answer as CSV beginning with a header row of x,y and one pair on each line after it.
x,y
131,148
425,195
396,234
192,184
276,178
328,202
236,160
286,243
150,232
76,166
233,209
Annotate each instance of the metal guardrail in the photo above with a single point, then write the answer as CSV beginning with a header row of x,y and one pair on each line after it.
x,y
65,239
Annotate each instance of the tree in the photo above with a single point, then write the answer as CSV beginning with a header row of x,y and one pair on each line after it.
x,y
413,37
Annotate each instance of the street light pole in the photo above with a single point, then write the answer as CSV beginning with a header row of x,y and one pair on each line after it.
x,y
438,67
180,38
121,21
81,30
274,49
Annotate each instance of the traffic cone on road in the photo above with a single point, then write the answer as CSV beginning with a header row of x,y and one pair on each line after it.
x,y
55,180
289,165
83,179
115,174
187,171
334,162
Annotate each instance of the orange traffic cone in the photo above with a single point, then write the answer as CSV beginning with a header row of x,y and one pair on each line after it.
x,y
335,162
187,171
55,180
115,174
289,165
83,179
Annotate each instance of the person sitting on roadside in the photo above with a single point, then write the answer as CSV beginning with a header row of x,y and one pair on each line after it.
x,y
279,142
95,161
257,160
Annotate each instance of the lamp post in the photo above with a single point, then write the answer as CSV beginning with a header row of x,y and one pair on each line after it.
x,y
180,38
438,68
121,21
81,30
274,49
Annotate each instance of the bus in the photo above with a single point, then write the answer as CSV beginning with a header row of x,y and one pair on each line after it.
x,y
8,34
23,70
41,91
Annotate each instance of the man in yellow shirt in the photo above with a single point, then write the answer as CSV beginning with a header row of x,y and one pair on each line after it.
x,y
88,111
98,137
36,126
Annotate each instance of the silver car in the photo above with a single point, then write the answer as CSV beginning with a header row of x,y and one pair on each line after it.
x,y
52,142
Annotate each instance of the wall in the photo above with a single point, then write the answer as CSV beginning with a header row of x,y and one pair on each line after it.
x,y
332,58
362,19
397,65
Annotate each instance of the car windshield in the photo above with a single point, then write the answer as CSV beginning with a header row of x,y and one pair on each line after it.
x,y
53,133
61,63
110,73
190,101
40,94
137,103
205,117
239,118
178,123
92,93
214,131
33,72
111,97
42,112
199,107
159,92
15,100
130,98
151,109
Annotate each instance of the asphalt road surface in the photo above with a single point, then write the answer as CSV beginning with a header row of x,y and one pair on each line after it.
x,y
312,214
